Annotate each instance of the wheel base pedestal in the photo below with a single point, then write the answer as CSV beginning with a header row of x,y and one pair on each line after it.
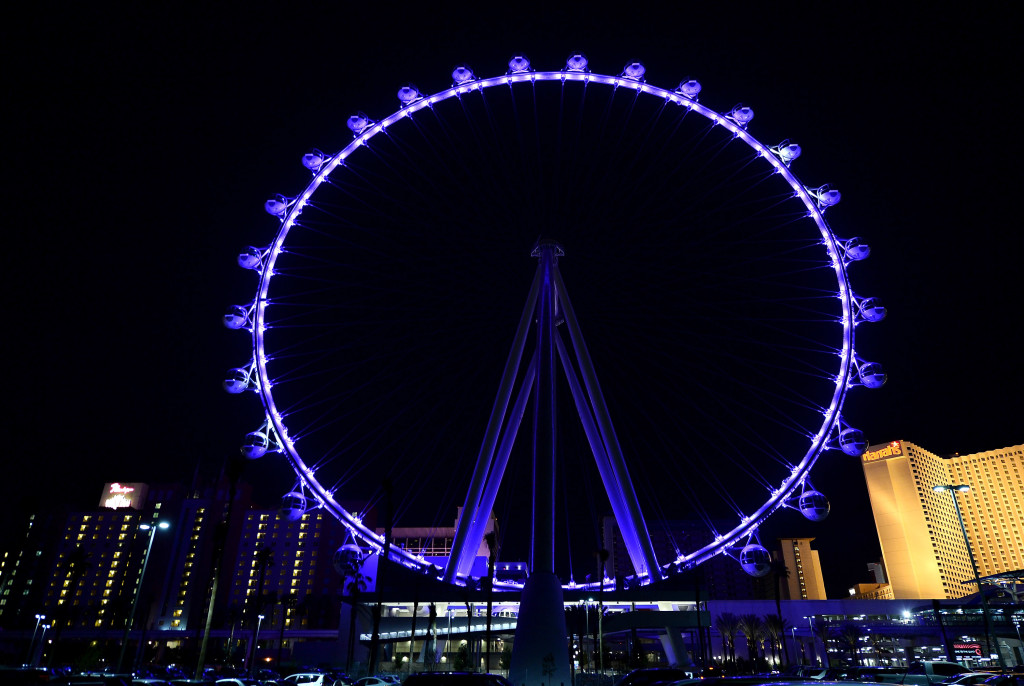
x,y
540,654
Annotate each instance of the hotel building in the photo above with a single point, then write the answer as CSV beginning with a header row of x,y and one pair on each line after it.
x,y
805,580
918,529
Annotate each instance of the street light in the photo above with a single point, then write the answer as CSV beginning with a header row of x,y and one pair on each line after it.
x,y
255,642
42,644
138,589
953,489
28,657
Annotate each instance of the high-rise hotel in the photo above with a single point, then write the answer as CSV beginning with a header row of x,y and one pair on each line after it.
x,y
922,543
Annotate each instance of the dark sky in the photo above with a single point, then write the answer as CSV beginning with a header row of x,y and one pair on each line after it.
x,y
141,144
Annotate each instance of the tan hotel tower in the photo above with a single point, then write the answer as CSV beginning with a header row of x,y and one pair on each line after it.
x,y
922,544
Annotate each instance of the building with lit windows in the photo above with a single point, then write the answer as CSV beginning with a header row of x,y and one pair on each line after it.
x,y
99,557
26,561
918,529
873,591
805,580
200,524
284,570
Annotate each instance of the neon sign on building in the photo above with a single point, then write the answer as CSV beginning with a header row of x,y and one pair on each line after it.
x,y
894,449
117,495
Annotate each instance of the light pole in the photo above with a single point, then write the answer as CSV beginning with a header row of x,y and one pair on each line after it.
x,y
138,589
42,644
814,640
448,639
255,643
28,657
963,488
1013,618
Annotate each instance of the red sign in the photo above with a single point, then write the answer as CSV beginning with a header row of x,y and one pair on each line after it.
x,y
117,495
967,649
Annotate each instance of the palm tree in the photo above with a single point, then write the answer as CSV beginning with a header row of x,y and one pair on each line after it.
x,y
752,627
849,636
781,573
802,642
822,631
727,625
264,560
353,589
775,632
288,602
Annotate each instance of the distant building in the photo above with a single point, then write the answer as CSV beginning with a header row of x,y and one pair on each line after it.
x,y
99,556
26,562
871,592
435,543
922,542
284,570
805,580
200,523
880,589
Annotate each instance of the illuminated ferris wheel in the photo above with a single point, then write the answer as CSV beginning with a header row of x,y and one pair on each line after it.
x,y
685,337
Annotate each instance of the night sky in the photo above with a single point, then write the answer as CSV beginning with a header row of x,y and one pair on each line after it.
x,y
141,144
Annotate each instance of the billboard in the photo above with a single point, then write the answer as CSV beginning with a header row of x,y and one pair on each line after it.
x,y
961,650
118,495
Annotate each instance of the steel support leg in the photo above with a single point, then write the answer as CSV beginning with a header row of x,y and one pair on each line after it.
x,y
471,508
643,557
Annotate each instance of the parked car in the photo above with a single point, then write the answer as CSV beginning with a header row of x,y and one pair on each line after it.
x,y
1014,679
968,678
23,676
653,675
372,681
924,673
151,682
92,680
454,679
307,679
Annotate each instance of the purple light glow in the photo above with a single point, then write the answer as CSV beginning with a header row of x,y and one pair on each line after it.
x,y
412,101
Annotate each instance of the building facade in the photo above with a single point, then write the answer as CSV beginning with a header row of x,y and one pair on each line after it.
x,y
805,581
97,569
284,571
26,562
918,528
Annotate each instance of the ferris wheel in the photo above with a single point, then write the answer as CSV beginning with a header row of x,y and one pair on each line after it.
x,y
698,305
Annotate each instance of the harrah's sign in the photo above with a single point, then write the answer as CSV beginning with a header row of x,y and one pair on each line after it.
x,y
117,495
894,449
